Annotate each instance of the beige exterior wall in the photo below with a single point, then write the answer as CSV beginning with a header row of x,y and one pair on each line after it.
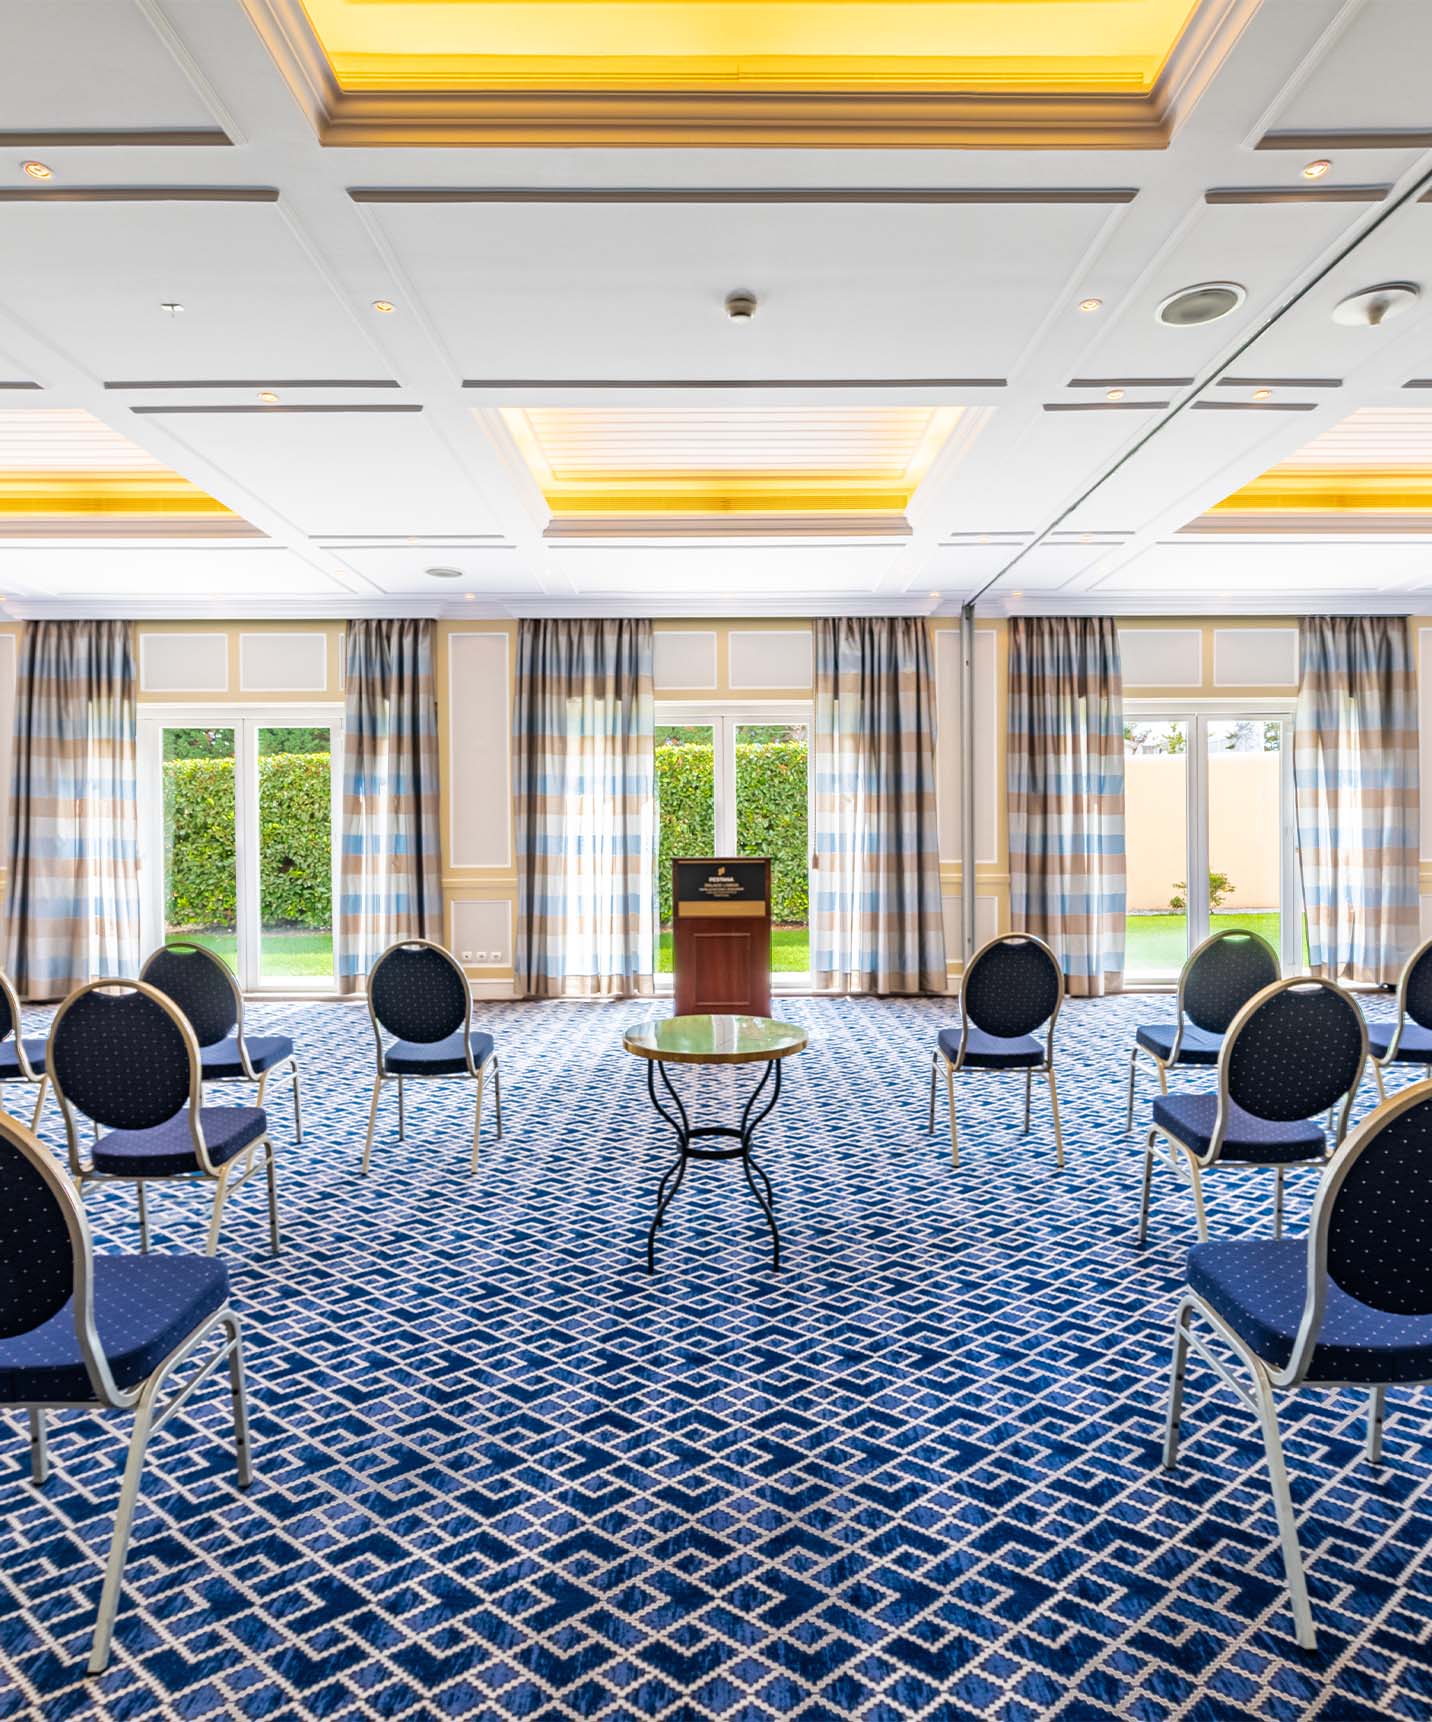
x,y
1243,829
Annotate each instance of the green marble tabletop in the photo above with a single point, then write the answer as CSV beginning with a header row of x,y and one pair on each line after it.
x,y
714,1040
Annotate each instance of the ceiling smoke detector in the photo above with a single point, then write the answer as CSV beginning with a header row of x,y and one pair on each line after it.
x,y
444,573
741,305
1205,303
1376,305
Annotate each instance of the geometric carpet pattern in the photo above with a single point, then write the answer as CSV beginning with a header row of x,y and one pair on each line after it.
x,y
502,1473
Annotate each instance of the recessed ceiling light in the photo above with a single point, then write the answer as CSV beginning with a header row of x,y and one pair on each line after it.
x,y
1316,169
268,397
471,597
1205,303
741,305
935,595
1262,394
1114,395
38,170
444,573
1090,304
1016,594
383,305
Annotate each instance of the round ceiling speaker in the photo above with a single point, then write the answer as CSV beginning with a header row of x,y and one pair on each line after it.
x,y
1205,303
1377,305
444,573
741,305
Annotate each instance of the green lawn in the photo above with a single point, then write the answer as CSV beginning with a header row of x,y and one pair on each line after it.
x,y
1159,943
281,954
790,951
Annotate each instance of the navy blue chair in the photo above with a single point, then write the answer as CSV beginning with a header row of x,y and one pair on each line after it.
x,y
1408,1040
124,1054
207,991
1291,1053
77,1329
1218,979
418,994
21,1059
1010,999
1349,1305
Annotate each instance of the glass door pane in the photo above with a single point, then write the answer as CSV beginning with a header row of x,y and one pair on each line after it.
x,y
686,812
1245,825
772,808
295,853
1156,843
200,883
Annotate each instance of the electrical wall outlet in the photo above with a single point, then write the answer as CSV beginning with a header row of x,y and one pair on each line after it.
x,y
467,956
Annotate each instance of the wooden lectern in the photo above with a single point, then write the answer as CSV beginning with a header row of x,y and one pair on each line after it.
x,y
721,912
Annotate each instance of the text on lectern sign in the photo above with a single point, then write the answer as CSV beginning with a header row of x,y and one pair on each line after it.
x,y
713,889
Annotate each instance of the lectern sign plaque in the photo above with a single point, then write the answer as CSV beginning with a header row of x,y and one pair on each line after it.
x,y
722,936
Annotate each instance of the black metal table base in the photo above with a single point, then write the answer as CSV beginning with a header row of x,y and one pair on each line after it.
x,y
687,1134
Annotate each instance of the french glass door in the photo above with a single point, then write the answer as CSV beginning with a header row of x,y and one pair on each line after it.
x,y
239,811
1209,832
735,780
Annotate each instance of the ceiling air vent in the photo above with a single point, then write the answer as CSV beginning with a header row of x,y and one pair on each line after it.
x,y
1205,303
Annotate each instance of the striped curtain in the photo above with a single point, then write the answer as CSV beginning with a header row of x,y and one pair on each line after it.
x,y
876,925
390,867
1355,776
72,906
586,809
1065,766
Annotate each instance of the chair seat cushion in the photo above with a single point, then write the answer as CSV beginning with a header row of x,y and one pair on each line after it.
x,y
144,1307
988,1052
435,1057
1261,1141
167,1150
1258,1287
1414,1046
10,1062
221,1060
1198,1046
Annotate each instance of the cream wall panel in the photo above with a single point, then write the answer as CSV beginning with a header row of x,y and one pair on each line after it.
x,y
271,663
481,931
184,663
479,733
986,919
947,745
1255,657
951,751
1161,657
771,659
8,671
1424,737
684,658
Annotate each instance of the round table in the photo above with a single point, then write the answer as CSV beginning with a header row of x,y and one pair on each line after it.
x,y
714,1040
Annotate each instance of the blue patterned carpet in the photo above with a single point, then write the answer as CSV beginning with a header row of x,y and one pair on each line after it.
x,y
502,1473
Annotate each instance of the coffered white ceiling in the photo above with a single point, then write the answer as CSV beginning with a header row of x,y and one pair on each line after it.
x,y
191,168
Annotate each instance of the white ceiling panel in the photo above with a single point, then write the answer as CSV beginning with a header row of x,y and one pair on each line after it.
x,y
179,571
96,277
1385,48
720,569
1209,573
398,570
1054,456
854,289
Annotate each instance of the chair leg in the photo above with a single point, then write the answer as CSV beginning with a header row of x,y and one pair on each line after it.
x,y
221,1192
1177,1372
40,1101
402,1121
477,1115
1283,1506
1163,1075
1028,1092
1199,1213
119,1541
372,1120
1054,1108
1376,1400
1277,1201
934,1063
143,1218
1148,1182
241,1408
39,1448
272,1196
1377,1077
497,1094
297,1108
954,1130
1133,1061
263,1084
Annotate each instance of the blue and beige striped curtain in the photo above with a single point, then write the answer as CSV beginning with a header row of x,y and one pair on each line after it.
x,y
876,924
586,809
1355,775
390,867
1065,769
72,906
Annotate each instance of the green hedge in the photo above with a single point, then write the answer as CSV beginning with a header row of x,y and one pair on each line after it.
x,y
295,847
770,815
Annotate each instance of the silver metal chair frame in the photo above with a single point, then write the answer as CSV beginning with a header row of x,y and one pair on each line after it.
x,y
1199,1163
1163,1066
225,1179
261,1077
1266,1381
939,1056
1380,1066
22,1058
475,1072
151,1410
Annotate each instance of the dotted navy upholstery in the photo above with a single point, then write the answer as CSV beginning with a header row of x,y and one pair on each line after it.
x,y
167,1150
144,1308
1198,1046
1223,976
1417,995
1260,1288
200,985
1012,988
121,1060
1414,1044
35,1051
1296,1054
1258,1141
417,994
221,1060
37,1267
986,1052
1380,1230
436,1057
